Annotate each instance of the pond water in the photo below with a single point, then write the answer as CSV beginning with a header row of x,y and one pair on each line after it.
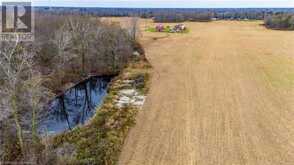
x,y
74,107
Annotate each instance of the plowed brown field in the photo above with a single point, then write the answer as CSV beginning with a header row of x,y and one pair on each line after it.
x,y
222,94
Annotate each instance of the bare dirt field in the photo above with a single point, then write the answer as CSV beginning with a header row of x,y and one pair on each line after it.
x,y
222,94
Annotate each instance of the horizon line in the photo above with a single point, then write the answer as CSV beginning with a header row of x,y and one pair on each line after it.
x,y
112,7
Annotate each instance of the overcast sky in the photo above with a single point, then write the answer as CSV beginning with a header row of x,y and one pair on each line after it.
x,y
166,3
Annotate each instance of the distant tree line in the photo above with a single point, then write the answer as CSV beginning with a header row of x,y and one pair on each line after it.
x,y
280,21
173,14
180,17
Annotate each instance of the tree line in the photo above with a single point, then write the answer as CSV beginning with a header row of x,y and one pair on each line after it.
x,y
281,21
174,14
179,17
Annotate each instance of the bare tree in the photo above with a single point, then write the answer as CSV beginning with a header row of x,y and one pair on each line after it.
x,y
14,63
134,28
36,97
21,90
62,40
80,31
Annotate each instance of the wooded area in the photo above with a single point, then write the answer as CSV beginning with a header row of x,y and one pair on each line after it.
x,y
68,48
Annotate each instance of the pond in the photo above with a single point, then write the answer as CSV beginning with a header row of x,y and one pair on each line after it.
x,y
75,106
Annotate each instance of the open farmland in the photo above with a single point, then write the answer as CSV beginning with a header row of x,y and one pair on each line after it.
x,y
221,94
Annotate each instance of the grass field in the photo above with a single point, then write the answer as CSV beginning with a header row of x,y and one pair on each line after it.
x,y
222,94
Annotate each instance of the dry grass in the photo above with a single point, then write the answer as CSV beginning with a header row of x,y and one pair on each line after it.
x,y
222,94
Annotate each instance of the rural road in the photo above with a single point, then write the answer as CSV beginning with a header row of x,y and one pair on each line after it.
x,y
222,94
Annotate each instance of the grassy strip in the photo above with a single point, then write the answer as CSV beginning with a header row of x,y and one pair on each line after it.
x,y
100,141
165,30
